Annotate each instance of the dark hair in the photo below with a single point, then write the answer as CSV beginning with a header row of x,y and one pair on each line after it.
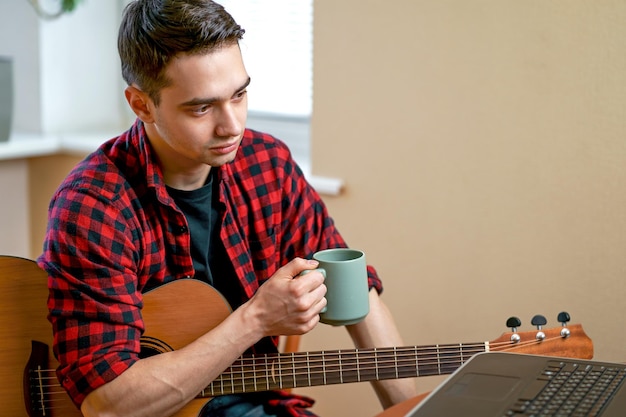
x,y
153,32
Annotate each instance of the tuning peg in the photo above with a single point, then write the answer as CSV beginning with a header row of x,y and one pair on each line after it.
x,y
539,321
514,323
563,318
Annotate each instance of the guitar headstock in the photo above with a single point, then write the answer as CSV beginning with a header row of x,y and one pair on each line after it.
x,y
568,341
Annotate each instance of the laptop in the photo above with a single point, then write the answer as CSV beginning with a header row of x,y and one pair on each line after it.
x,y
498,384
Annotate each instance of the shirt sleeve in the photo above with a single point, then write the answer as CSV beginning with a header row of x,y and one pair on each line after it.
x,y
94,305
308,227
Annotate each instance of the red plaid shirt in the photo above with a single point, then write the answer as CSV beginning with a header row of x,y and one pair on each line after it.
x,y
114,232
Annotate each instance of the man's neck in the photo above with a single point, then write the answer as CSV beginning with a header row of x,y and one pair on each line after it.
x,y
187,181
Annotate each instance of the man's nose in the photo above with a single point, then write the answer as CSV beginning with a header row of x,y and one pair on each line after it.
x,y
228,122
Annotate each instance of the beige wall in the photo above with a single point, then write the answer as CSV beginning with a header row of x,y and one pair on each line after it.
x,y
483,145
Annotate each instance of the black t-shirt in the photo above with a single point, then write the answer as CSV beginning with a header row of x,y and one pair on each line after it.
x,y
210,261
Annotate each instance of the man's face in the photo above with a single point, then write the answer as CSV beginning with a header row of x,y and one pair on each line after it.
x,y
202,114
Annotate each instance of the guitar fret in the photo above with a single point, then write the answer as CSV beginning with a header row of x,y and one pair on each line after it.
x,y
293,368
324,367
280,374
358,368
232,385
267,375
308,368
395,357
340,368
254,374
243,375
376,363
438,361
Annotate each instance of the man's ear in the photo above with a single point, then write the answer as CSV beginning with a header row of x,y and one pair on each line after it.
x,y
140,103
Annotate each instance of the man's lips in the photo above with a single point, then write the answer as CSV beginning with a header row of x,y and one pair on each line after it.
x,y
225,149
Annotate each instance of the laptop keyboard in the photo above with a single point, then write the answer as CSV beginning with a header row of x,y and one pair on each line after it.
x,y
569,389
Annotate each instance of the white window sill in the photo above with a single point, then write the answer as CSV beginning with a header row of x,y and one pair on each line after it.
x,y
29,145
26,145
325,185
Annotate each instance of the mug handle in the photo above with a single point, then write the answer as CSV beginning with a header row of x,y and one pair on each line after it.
x,y
323,271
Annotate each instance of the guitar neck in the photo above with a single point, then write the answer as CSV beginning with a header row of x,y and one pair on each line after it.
x,y
306,369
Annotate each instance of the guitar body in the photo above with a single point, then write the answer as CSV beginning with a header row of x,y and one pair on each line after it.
x,y
177,313
23,298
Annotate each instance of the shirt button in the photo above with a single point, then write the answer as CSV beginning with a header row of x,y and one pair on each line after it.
x,y
182,229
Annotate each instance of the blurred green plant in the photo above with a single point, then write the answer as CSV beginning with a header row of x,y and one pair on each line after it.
x,y
64,6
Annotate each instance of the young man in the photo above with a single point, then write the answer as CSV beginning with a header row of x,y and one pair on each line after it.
x,y
187,192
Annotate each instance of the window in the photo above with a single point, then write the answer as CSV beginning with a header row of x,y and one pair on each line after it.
x,y
278,52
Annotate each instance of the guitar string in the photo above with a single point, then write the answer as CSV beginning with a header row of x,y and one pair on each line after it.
x,y
406,361
407,354
400,357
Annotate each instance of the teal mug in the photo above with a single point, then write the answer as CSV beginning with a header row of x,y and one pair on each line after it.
x,y
347,287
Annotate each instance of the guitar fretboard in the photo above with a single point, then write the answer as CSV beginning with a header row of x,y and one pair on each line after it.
x,y
307,369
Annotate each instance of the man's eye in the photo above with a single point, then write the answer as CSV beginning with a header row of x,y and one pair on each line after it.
x,y
202,109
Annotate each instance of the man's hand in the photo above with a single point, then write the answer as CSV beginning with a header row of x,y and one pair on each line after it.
x,y
288,303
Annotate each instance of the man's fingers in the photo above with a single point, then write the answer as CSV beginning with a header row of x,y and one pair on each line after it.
x,y
296,266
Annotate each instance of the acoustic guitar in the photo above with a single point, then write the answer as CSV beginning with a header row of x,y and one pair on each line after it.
x,y
172,321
